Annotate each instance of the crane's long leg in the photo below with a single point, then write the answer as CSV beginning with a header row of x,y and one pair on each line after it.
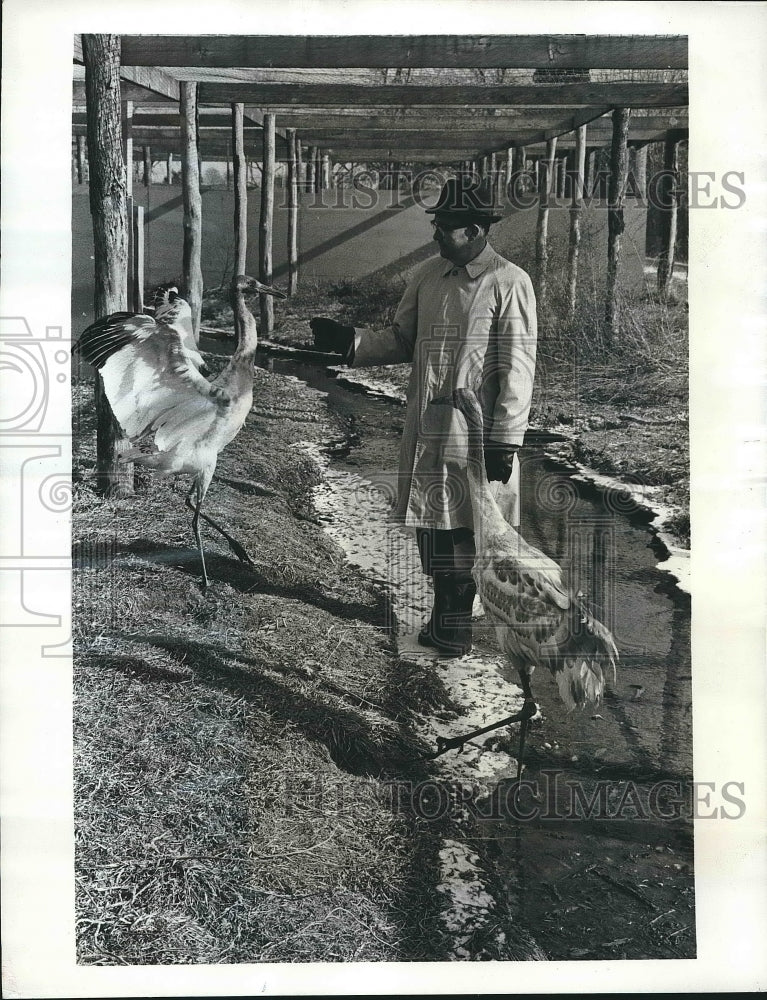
x,y
196,487
528,709
526,716
234,545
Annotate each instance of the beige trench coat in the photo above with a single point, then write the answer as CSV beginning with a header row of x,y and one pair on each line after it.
x,y
472,326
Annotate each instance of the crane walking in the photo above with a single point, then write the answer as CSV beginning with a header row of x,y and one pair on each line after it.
x,y
537,619
177,421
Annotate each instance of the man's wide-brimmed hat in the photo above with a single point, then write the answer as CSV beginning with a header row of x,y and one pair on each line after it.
x,y
467,199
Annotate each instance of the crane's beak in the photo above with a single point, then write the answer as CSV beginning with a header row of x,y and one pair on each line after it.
x,y
258,286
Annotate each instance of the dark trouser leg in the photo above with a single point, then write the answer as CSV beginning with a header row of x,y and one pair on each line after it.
x,y
447,556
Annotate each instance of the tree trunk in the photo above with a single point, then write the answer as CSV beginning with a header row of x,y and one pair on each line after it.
x,y
615,221
101,55
190,179
240,190
266,224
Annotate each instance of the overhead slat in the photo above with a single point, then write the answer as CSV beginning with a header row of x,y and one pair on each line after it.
x,y
384,117
655,95
173,121
454,119
408,51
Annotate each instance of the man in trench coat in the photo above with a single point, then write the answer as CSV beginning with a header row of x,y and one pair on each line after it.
x,y
467,319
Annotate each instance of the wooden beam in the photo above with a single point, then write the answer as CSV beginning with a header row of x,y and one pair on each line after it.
x,y
491,118
292,213
208,118
108,199
169,169
240,191
602,95
408,51
190,175
146,84
266,225
210,138
615,221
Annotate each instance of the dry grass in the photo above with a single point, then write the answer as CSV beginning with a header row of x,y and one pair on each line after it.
x,y
229,747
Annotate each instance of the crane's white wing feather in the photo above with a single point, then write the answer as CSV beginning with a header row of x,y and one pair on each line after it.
x,y
151,380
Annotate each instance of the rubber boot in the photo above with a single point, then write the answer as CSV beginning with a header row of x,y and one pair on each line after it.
x,y
449,628
428,636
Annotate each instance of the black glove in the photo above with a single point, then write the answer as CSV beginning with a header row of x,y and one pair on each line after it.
x,y
331,337
499,461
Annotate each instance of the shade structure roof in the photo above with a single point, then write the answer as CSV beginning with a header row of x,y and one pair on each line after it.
x,y
439,99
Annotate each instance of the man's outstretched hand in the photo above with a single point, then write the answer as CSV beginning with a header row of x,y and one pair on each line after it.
x,y
331,337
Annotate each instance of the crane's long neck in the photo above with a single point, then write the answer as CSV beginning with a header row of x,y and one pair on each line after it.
x,y
487,516
244,325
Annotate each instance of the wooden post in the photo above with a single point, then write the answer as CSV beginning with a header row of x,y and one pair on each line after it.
x,y
492,166
265,225
240,189
300,171
326,171
317,169
576,213
228,170
101,55
290,135
510,161
169,169
562,177
310,162
615,221
190,179
136,290
542,230
81,159
588,181
127,141
668,211
640,172
147,157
